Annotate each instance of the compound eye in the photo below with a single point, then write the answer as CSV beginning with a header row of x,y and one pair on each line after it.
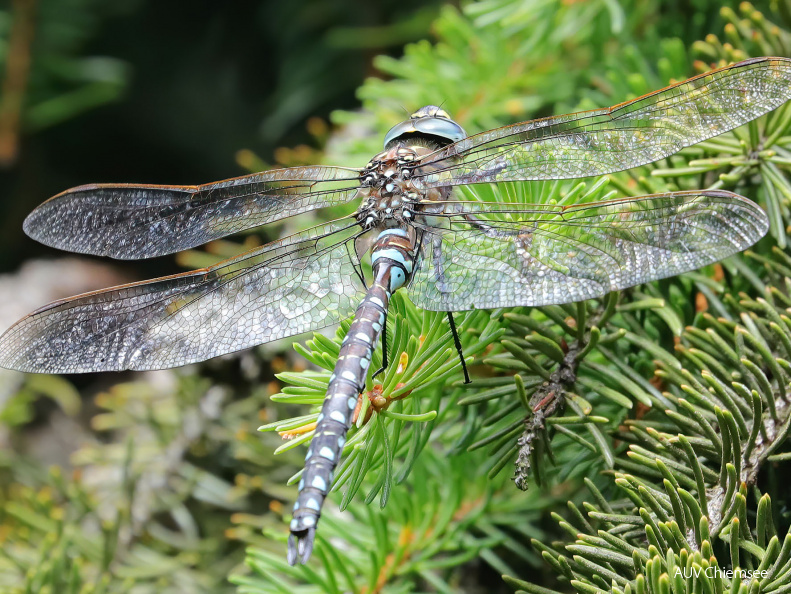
x,y
441,128
428,121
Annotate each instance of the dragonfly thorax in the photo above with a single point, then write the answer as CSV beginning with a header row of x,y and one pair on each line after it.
x,y
386,211
389,196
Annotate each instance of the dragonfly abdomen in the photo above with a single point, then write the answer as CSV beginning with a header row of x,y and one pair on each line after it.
x,y
393,262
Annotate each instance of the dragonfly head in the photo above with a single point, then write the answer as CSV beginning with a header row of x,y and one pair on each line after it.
x,y
429,122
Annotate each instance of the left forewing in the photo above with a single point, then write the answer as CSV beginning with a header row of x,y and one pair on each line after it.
x,y
129,221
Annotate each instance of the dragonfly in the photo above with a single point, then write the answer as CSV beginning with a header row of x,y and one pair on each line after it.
x,y
447,253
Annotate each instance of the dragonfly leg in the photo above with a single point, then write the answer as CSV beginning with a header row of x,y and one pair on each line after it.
x,y
300,546
481,225
384,349
457,342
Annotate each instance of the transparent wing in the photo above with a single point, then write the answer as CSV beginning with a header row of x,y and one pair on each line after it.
x,y
621,137
303,282
551,254
128,221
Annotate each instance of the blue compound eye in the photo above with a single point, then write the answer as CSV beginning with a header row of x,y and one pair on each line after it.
x,y
444,128
398,131
428,121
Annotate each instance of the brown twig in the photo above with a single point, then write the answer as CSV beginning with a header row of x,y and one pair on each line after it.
x,y
16,77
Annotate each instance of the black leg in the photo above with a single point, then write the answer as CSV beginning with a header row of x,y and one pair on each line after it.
x,y
457,342
384,349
